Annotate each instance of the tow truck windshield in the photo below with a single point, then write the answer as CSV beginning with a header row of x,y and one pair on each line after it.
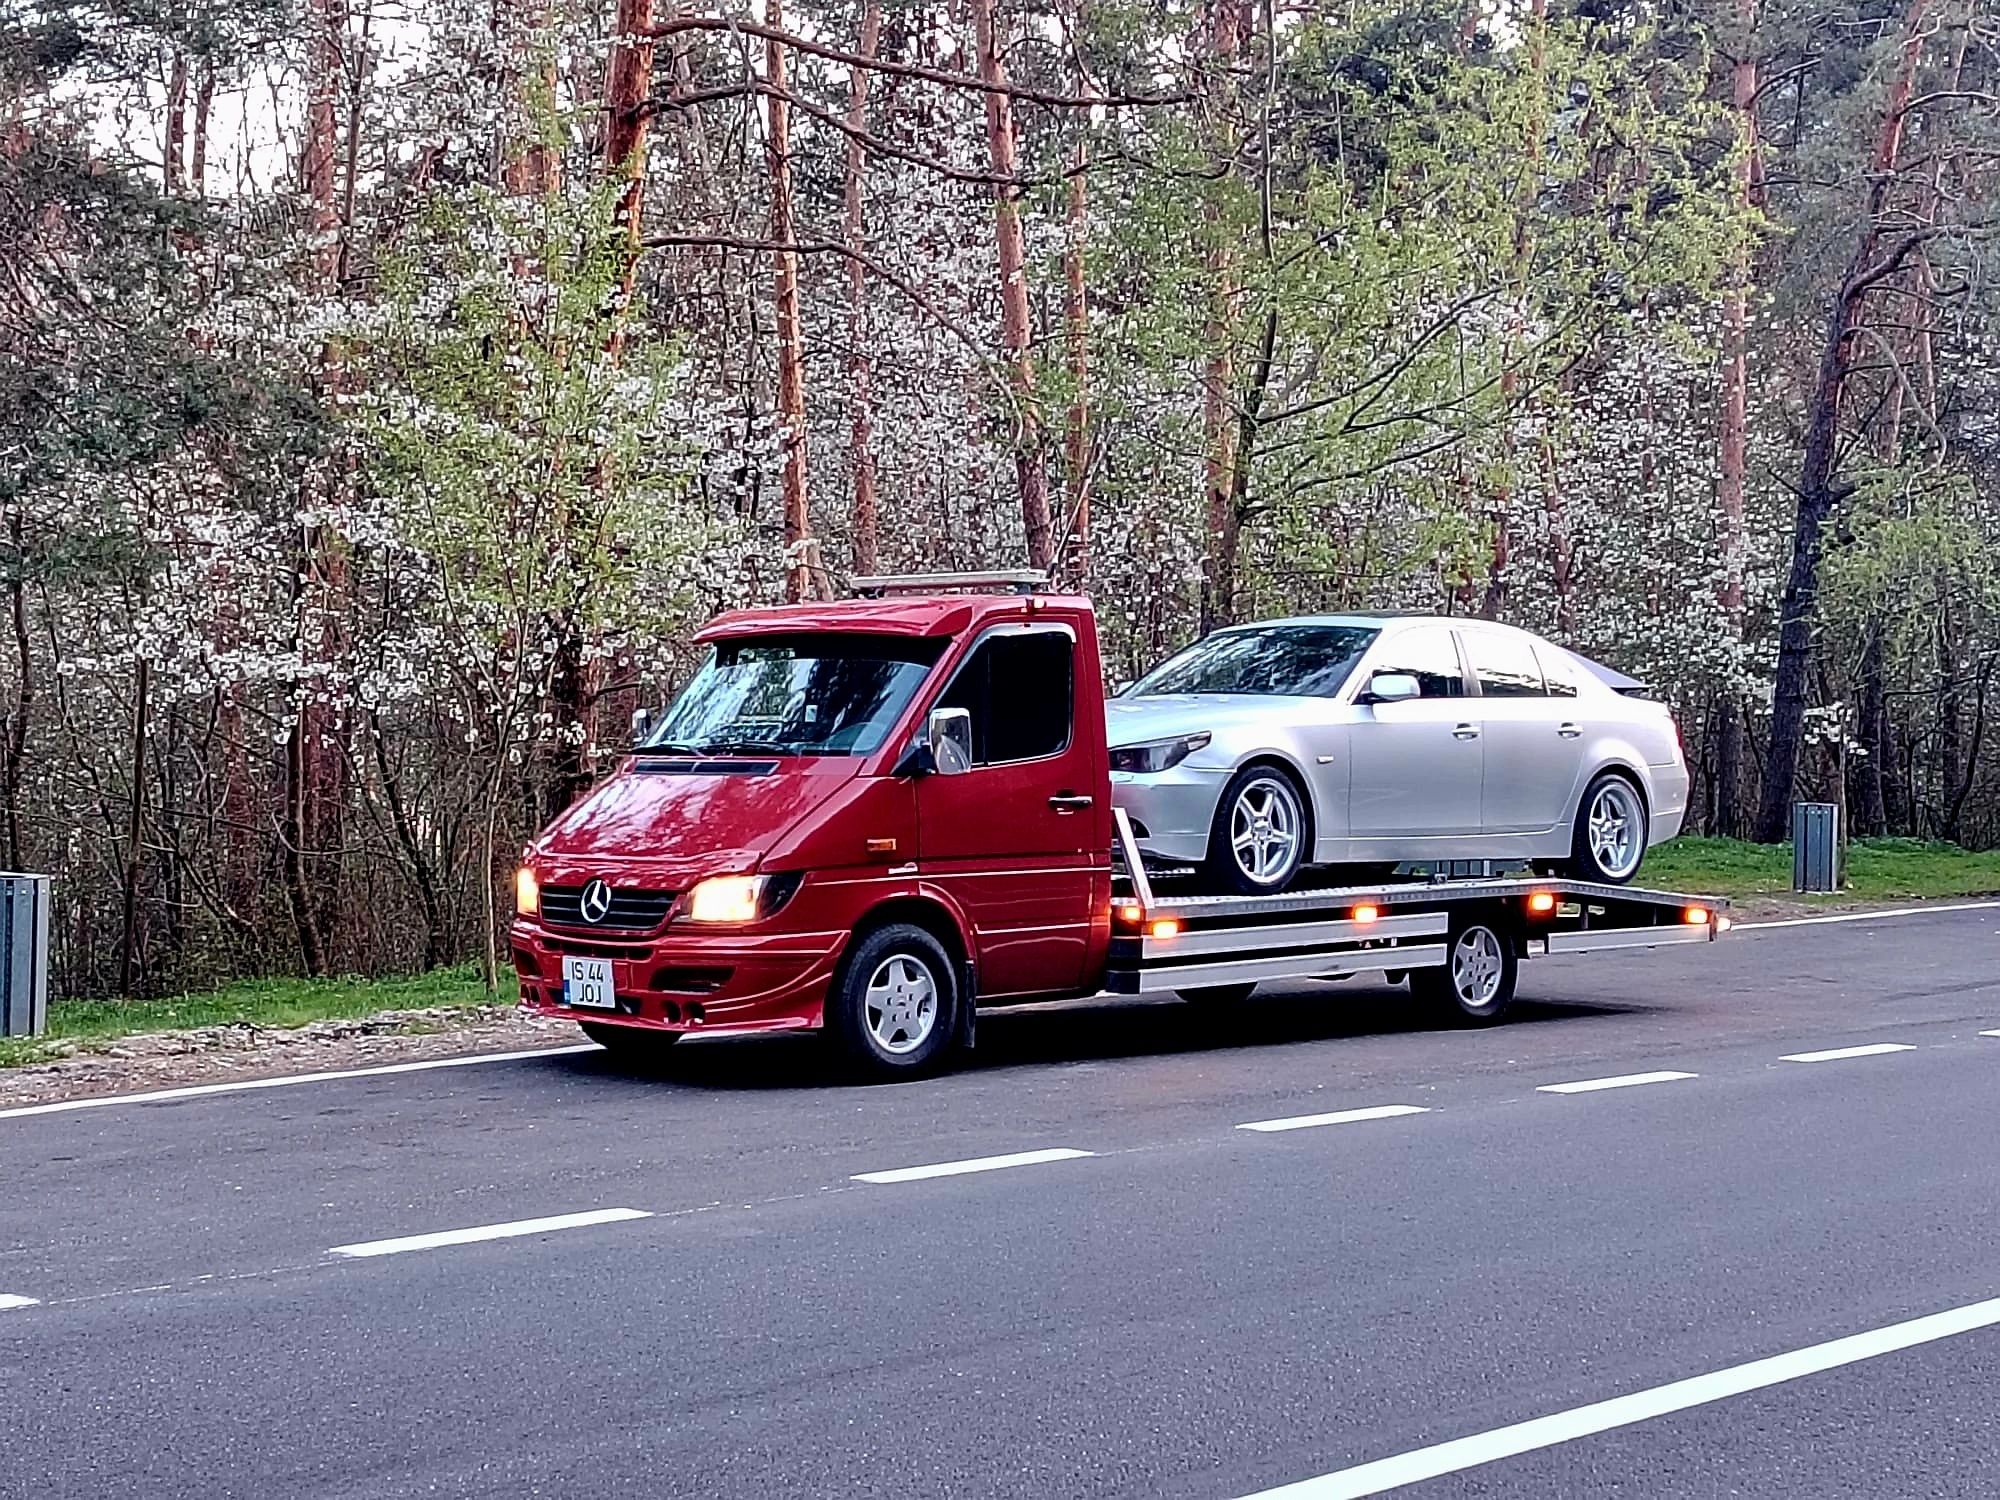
x,y
820,694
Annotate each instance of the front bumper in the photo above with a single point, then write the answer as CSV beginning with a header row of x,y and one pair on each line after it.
x,y
684,980
1171,811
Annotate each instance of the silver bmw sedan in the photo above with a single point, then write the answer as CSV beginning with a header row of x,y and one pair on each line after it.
x,y
1377,740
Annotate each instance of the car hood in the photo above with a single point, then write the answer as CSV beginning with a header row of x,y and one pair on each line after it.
x,y
668,823
1134,721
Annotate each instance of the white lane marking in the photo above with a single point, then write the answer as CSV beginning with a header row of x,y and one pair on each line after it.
x,y
196,1091
1990,1033
1625,1081
1867,916
1338,1117
1877,1049
489,1232
1641,1406
8,1299
976,1164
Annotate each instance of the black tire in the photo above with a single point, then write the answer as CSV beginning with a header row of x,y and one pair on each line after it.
x,y
1221,870
630,1043
898,1030
1475,985
1618,798
1217,996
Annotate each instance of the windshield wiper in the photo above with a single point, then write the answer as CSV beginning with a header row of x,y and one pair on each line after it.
x,y
667,747
749,747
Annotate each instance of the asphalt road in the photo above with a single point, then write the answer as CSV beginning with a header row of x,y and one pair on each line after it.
x,y
1190,1309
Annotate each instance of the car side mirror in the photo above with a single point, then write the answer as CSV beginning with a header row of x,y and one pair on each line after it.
x,y
949,733
1392,687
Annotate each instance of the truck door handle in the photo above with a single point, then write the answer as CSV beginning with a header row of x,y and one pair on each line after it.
x,y
1069,802
1569,731
1466,732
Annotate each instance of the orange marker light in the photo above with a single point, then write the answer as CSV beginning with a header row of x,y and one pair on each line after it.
x,y
1366,913
1166,927
1695,916
1542,901
1133,913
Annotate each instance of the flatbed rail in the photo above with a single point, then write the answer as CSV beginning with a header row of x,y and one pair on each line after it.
x,y
1171,942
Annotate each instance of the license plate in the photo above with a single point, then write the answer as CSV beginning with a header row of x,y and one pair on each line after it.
x,y
587,983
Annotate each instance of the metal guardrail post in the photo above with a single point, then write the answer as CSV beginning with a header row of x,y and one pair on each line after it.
x,y
1815,846
24,954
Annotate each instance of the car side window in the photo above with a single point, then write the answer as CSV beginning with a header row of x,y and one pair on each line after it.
x,y
1021,692
1505,667
1557,672
1430,656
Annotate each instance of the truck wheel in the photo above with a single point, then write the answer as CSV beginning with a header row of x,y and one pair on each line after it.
x,y
894,1009
1609,839
1475,985
1217,996
1262,833
630,1043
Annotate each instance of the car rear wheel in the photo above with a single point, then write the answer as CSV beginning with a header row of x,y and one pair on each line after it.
x,y
1609,839
1261,835
894,1010
1476,983
630,1043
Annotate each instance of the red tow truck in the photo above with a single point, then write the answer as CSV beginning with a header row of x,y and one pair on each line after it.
x,y
876,816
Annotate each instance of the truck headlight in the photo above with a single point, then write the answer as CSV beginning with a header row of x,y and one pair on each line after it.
x,y
527,892
739,898
1157,755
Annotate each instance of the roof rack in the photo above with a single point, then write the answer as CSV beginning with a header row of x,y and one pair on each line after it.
x,y
1018,581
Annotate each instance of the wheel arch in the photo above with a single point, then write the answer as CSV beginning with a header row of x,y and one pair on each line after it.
x,y
933,915
1283,760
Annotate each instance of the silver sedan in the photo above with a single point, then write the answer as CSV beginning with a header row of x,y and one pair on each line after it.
x,y
1375,740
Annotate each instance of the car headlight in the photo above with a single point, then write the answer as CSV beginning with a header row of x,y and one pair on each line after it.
x,y
527,891
739,898
1157,755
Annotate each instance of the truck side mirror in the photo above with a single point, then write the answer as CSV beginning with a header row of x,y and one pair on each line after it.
x,y
1392,687
949,731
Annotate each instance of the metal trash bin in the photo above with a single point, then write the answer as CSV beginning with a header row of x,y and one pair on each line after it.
x,y
1815,846
24,954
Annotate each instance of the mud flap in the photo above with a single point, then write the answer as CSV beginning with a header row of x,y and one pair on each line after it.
x,y
968,1006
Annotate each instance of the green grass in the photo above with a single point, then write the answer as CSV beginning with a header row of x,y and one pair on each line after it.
x,y
1876,869
263,1002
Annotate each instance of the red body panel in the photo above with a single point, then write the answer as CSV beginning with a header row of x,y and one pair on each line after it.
x,y
1025,884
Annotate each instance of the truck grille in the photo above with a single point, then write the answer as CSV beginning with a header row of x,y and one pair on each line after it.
x,y
631,910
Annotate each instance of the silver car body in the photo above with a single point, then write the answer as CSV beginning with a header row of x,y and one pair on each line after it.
x,y
1430,778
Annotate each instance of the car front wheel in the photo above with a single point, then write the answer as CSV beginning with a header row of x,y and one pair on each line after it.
x,y
1262,833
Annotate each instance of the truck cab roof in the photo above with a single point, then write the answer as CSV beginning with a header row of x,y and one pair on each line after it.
x,y
905,615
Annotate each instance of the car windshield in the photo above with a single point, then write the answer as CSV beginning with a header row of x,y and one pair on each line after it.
x,y
1293,661
823,694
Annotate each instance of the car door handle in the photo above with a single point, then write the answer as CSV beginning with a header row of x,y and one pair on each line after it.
x,y
1466,732
1569,731
1068,802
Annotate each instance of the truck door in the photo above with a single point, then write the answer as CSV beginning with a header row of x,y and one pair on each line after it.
x,y
1013,840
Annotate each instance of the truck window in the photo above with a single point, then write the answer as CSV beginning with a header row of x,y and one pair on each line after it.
x,y
1505,667
1429,655
1021,692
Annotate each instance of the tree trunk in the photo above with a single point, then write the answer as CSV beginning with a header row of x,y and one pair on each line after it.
x,y
1220,431
1817,490
15,747
1076,323
860,362
802,566
1871,812
172,164
135,827
1015,328
204,98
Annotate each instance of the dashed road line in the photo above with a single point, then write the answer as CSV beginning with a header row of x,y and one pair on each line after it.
x,y
1990,1033
488,1232
1338,1117
200,1090
9,1300
975,1164
1839,1054
1867,916
1624,1081
1484,1448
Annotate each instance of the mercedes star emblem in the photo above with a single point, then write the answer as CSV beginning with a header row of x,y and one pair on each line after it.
x,y
596,901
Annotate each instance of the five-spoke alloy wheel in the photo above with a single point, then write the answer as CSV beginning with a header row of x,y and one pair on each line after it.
x,y
1262,833
1610,836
